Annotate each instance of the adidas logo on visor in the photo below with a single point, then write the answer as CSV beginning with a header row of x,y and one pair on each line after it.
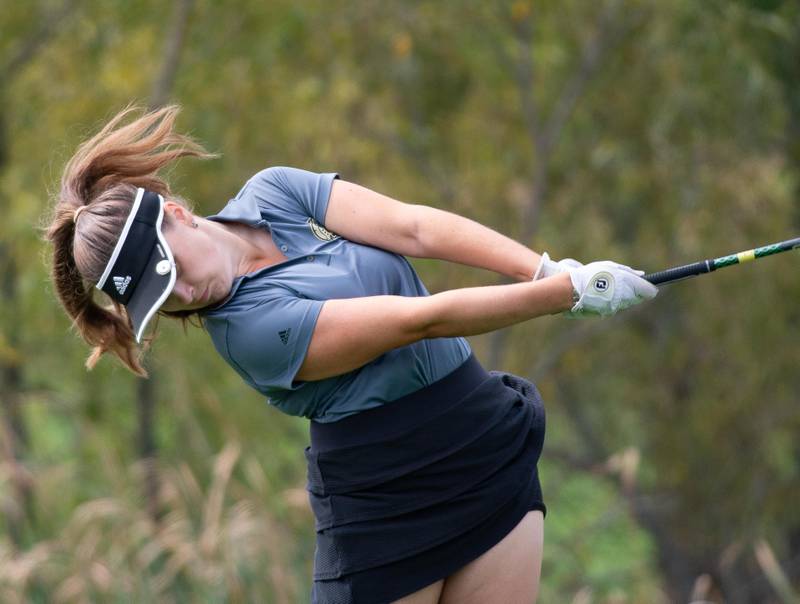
x,y
122,284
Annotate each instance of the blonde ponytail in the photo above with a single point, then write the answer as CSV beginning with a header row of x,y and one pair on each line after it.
x,y
103,176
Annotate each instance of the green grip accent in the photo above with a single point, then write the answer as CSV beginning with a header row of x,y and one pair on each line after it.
x,y
726,261
769,249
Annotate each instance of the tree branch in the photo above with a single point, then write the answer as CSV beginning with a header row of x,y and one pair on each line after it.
x,y
174,44
607,30
544,133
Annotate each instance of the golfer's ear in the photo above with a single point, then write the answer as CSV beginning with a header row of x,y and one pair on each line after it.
x,y
174,212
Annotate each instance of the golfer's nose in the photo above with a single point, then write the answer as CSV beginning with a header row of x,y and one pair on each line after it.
x,y
183,292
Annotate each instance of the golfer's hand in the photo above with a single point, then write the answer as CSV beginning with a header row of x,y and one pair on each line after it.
x,y
604,288
548,268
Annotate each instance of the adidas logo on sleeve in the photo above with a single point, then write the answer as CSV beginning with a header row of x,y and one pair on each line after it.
x,y
122,284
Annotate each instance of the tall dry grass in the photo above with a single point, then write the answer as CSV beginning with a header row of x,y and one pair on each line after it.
x,y
213,544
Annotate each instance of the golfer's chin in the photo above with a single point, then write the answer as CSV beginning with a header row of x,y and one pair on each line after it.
x,y
207,300
175,308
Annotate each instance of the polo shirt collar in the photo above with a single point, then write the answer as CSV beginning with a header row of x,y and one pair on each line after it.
x,y
243,209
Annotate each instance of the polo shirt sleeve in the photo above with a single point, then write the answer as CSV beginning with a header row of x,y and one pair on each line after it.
x,y
270,340
311,190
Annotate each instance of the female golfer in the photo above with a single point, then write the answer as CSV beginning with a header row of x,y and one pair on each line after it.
x,y
422,465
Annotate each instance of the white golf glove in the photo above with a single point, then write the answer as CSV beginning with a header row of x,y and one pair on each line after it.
x,y
548,268
605,287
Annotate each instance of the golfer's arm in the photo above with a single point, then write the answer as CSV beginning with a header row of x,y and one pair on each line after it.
x,y
475,310
350,333
368,217
447,236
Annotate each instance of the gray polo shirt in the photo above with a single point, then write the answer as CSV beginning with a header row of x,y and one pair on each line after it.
x,y
264,327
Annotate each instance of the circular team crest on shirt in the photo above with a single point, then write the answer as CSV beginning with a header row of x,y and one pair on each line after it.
x,y
320,232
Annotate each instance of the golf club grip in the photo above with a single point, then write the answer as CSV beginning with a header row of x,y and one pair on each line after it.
x,y
680,272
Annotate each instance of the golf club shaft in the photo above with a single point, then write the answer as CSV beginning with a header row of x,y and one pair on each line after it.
x,y
706,266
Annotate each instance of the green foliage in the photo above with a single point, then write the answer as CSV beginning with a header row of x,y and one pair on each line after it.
x,y
680,145
591,543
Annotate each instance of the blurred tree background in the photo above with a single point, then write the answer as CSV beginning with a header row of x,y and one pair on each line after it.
x,y
650,132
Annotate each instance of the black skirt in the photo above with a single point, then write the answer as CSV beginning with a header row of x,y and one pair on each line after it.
x,y
407,493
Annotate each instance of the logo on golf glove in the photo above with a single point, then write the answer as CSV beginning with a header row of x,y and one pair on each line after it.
x,y
605,287
601,283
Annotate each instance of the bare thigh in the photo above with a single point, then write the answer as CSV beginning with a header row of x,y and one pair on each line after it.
x,y
506,574
426,595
